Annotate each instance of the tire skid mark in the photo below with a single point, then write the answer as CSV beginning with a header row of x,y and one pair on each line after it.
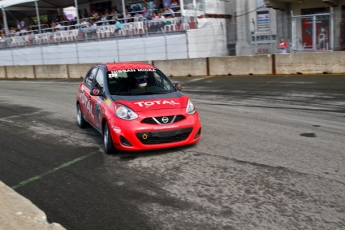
x,y
225,193
270,167
19,116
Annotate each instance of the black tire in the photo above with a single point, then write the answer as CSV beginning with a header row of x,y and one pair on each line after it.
x,y
108,142
80,118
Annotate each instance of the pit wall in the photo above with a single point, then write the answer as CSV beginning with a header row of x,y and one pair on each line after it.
x,y
296,63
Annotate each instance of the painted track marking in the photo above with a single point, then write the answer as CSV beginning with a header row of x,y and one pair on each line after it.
x,y
53,170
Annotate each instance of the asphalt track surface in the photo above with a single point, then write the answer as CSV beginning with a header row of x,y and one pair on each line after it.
x,y
271,157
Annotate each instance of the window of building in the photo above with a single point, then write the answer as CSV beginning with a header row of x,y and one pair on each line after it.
x,y
312,11
263,20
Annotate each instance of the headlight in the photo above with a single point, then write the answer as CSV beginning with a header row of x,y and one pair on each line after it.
x,y
190,107
125,113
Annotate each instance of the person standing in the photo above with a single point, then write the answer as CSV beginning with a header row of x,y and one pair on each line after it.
x,y
159,4
282,45
118,25
19,25
166,3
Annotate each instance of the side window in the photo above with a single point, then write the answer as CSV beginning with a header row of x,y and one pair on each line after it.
x,y
161,82
99,81
90,76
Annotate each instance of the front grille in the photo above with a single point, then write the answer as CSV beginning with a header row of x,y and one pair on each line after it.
x,y
163,120
162,137
148,120
179,118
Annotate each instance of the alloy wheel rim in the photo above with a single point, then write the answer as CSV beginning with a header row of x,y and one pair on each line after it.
x,y
106,137
79,116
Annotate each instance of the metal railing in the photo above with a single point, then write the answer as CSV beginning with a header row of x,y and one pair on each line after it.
x,y
130,27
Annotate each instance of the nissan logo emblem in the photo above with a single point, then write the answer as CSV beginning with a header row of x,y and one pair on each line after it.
x,y
165,120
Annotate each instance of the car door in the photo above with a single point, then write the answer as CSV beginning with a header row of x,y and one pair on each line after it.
x,y
95,101
84,94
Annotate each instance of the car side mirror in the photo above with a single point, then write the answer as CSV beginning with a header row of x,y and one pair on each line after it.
x,y
96,92
178,86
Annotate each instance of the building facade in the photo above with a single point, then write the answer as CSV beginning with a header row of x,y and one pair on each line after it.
x,y
252,28
306,25
312,25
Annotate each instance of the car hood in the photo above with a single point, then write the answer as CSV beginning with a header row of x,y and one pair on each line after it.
x,y
153,102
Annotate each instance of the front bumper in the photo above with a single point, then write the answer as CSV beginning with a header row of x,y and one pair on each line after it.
x,y
137,136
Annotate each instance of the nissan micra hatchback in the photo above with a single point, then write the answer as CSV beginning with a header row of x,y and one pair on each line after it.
x,y
136,107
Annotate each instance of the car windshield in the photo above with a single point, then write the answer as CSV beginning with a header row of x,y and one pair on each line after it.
x,y
138,82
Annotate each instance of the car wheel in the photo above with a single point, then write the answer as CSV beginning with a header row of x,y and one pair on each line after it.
x,y
108,142
80,118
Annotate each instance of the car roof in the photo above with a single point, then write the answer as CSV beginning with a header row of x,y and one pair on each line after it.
x,y
128,65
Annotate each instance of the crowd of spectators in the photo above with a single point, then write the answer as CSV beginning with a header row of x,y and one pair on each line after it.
x,y
144,11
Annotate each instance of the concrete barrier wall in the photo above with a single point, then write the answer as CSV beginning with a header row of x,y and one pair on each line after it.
x,y
78,70
183,67
51,71
2,72
305,63
241,65
72,71
23,71
310,63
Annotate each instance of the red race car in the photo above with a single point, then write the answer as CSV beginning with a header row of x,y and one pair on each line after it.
x,y
136,107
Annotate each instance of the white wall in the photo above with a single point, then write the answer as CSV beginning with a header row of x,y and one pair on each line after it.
x,y
217,7
209,40
136,49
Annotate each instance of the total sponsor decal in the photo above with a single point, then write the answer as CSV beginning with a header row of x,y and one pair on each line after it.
x,y
150,103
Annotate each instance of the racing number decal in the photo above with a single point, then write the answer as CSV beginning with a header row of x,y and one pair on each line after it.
x,y
98,111
86,103
89,108
93,107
